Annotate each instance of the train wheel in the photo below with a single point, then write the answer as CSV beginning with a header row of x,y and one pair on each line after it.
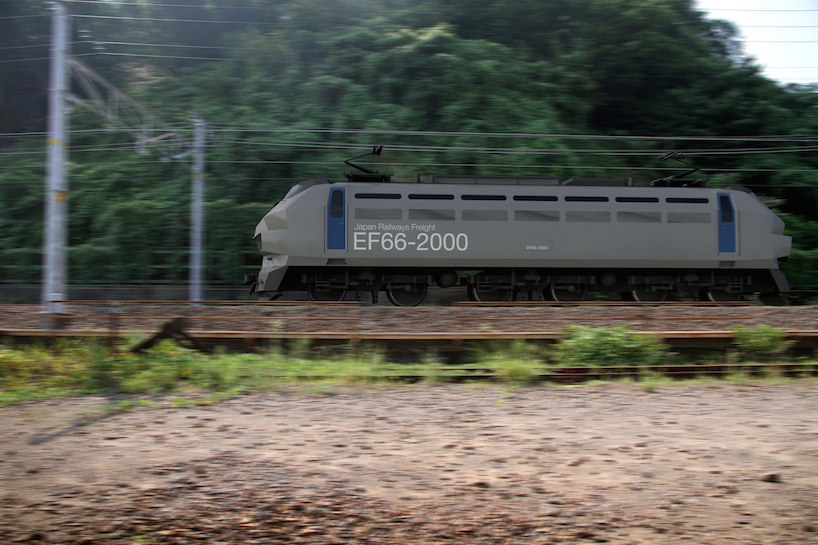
x,y
315,294
497,295
648,295
721,296
410,295
566,293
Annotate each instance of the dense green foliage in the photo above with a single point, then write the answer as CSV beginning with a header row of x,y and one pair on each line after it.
x,y
581,67
608,346
763,343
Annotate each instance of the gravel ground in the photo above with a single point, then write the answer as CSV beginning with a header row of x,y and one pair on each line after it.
x,y
688,463
354,318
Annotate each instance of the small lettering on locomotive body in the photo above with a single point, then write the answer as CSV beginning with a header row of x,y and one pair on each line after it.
x,y
537,245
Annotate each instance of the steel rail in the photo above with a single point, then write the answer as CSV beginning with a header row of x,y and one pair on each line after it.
x,y
115,302
355,336
603,319
608,303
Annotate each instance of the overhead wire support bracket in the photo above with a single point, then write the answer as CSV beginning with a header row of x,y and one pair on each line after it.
x,y
121,112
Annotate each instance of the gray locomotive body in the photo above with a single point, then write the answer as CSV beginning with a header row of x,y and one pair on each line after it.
x,y
531,238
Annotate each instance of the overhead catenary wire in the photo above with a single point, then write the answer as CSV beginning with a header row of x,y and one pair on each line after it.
x,y
148,44
219,128
157,5
23,46
518,151
171,20
399,148
512,135
26,60
9,17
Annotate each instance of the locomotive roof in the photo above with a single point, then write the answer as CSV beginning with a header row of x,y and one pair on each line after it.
x,y
527,180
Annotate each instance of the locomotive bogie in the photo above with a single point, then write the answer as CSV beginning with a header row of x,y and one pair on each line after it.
x,y
520,241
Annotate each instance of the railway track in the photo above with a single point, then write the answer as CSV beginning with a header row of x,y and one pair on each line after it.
x,y
451,331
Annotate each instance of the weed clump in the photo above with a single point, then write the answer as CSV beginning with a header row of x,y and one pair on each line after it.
x,y
607,346
517,362
762,343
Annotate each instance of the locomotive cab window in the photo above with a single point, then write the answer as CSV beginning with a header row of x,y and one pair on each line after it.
x,y
336,204
726,208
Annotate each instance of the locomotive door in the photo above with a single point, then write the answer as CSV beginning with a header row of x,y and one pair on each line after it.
x,y
727,224
336,220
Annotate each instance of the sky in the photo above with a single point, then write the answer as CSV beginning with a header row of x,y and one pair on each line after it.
x,y
782,35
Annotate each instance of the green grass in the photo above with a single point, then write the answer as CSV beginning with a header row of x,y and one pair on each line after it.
x,y
78,367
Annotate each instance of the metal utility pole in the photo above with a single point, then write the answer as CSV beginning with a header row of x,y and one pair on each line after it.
x,y
102,98
197,211
56,196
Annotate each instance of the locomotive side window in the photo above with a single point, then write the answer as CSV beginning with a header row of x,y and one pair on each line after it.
x,y
485,215
687,200
587,216
483,197
378,214
534,198
689,217
637,199
377,195
431,197
586,199
536,215
336,204
431,214
639,217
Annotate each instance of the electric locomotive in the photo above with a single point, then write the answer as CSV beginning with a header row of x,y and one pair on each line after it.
x,y
533,238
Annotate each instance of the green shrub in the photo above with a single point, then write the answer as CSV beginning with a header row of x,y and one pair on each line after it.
x,y
607,346
760,343
517,361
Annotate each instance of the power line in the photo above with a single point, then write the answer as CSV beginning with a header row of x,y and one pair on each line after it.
x,y
165,45
518,151
216,128
20,17
146,5
85,131
155,19
283,61
23,46
27,60
320,130
114,54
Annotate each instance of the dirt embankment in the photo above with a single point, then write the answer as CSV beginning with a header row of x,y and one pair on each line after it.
x,y
699,464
